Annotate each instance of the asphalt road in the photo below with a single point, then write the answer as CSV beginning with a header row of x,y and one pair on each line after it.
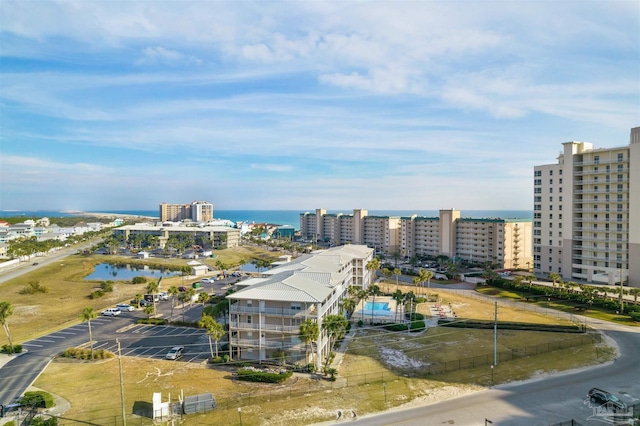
x,y
546,401
135,340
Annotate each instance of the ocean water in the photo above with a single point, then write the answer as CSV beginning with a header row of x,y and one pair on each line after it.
x,y
279,217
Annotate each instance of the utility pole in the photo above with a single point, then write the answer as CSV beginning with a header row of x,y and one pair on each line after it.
x,y
124,417
495,335
621,292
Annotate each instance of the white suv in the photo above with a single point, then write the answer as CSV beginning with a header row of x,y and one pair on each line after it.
x,y
111,312
175,352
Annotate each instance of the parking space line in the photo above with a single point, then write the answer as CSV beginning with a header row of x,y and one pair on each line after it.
x,y
65,332
32,344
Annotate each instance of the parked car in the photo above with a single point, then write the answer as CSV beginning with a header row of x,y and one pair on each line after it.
x,y
125,307
196,285
111,312
602,397
182,288
207,280
175,352
163,296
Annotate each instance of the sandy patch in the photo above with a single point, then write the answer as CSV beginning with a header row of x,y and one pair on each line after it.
x,y
398,359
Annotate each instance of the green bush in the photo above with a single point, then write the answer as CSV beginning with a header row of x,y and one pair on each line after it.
x,y
40,421
635,316
107,286
40,399
33,287
6,349
252,375
139,280
96,294
85,354
152,321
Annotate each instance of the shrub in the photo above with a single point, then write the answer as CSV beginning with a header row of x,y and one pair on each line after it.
x,y
40,399
107,286
96,294
82,353
635,316
33,287
40,421
6,349
254,375
217,360
139,280
152,321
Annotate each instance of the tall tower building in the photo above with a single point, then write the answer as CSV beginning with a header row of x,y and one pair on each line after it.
x,y
586,223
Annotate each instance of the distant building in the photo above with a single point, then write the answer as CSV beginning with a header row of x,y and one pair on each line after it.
x,y
216,236
587,213
505,242
285,231
197,211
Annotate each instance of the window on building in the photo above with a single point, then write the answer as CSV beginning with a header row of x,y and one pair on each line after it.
x,y
550,172
550,215
551,233
560,189
560,207
560,180
560,172
596,159
249,303
249,319
537,173
620,157
620,167
550,181
551,199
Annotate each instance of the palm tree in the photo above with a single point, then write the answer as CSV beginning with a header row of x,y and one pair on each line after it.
x,y
554,277
173,292
87,315
387,274
373,265
530,278
397,272
6,310
374,291
215,331
138,298
203,297
308,334
362,295
152,288
347,305
335,326
398,296
410,297
425,276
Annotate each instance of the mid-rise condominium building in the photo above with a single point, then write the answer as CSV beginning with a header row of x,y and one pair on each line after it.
x,y
587,214
266,313
217,237
197,211
505,242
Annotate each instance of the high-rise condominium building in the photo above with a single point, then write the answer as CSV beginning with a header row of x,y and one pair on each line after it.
x,y
505,242
197,211
586,224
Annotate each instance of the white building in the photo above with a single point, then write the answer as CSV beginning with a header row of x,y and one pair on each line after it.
x,y
587,213
266,314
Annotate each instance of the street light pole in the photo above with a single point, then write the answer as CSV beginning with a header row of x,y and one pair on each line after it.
x,y
491,374
384,388
240,415
487,422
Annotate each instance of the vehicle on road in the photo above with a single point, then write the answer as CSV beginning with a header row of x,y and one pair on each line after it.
x,y
111,312
175,352
125,307
182,288
602,397
35,264
208,280
163,296
196,285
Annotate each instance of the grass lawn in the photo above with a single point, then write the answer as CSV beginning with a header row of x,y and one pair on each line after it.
x,y
560,305
373,357
68,293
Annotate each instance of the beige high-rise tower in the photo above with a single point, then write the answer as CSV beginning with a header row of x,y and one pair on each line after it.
x,y
586,222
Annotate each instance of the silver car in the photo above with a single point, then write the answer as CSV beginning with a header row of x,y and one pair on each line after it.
x,y
175,352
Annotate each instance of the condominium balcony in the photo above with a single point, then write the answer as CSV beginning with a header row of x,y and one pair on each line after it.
x,y
256,343
269,328
235,309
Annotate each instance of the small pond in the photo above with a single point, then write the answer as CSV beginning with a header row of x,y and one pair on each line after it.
x,y
106,271
249,267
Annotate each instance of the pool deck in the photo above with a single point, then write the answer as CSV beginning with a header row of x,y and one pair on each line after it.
x,y
379,316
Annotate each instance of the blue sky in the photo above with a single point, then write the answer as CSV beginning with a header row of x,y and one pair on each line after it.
x,y
396,105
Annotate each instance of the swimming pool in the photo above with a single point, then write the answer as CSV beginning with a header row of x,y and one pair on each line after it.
x,y
377,306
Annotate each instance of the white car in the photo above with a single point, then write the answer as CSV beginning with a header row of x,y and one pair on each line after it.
x,y
125,307
111,312
175,352
208,280
163,296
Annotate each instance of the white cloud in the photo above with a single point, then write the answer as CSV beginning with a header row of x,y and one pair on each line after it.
x,y
159,55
